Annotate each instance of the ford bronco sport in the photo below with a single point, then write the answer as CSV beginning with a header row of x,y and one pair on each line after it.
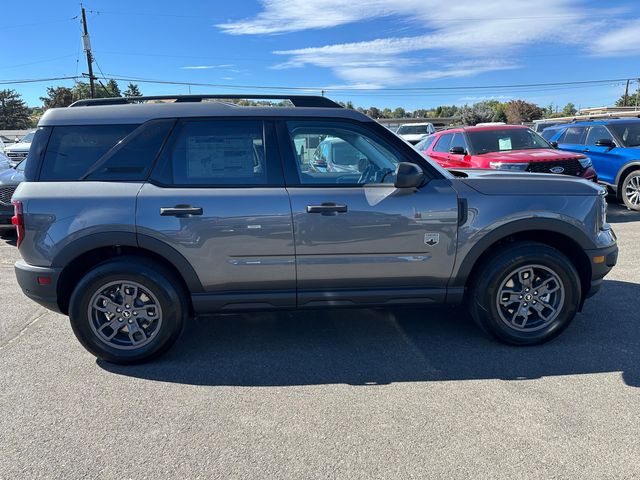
x,y
135,216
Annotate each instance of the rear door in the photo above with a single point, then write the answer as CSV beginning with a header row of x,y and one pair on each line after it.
x,y
359,239
440,151
217,198
456,160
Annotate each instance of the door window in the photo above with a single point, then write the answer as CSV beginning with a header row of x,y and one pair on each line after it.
x,y
218,152
344,154
459,141
574,135
444,143
598,132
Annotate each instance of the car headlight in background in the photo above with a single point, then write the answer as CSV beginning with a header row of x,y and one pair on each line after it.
x,y
602,213
518,167
585,162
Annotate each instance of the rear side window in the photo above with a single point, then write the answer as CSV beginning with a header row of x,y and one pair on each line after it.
x,y
214,152
573,135
444,143
426,143
459,141
73,150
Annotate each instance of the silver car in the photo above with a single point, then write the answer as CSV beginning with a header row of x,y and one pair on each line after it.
x,y
134,217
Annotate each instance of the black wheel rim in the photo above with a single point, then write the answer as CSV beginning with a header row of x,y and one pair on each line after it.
x,y
530,298
125,315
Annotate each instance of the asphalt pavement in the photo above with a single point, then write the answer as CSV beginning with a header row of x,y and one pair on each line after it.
x,y
402,393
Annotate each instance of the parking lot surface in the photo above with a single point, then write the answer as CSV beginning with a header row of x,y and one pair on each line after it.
x,y
403,393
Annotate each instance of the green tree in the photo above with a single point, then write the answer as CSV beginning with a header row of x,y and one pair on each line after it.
x,y
81,91
519,111
373,112
112,89
632,101
14,113
446,111
57,97
132,90
386,113
399,113
481,112
569,110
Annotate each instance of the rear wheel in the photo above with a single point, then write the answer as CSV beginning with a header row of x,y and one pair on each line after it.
x,y
630,191
128,310
525,294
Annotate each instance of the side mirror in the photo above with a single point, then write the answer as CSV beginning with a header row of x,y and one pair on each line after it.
x,y
408,175
605,142
553,144
457,151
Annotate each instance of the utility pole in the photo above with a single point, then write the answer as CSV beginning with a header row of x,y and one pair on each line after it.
x,y
625,101
86,43
638,94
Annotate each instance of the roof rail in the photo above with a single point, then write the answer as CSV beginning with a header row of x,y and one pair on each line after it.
x,y
296,100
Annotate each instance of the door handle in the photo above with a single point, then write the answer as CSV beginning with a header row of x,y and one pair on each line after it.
x,y
327,208
180,211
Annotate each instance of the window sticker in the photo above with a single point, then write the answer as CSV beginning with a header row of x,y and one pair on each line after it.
x,y
504,143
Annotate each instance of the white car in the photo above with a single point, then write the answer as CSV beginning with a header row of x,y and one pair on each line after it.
x,y
414,132
19,151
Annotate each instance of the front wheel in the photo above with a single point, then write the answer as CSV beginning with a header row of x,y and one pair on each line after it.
x,y
631,190
128,310
525,294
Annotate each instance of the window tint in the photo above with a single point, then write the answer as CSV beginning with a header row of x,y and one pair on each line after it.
x,y
354,156
444,143
573,135
629,133
597,132
459,141
548,133
132,158
72,151
214,152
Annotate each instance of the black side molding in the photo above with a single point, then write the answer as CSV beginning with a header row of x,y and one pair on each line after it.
x,y
463,211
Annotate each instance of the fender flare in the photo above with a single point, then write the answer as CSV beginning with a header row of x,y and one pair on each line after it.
x,y
565,229
93,241
633,163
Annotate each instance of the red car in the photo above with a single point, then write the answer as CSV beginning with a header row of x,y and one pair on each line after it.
x,y
503,147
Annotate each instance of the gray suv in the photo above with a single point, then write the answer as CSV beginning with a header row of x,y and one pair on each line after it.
x,y
135,216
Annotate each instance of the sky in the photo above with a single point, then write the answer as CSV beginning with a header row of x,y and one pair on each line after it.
x,y
385,53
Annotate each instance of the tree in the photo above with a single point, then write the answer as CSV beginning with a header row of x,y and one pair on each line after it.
x,y
113,90
569,110
386,113
57,97
373,112
14,113
81,91
398,113
132,90
476,113
632,101
446,111
519,111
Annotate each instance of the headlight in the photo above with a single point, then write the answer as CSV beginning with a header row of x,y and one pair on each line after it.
x,y
520,167
585,162
602,217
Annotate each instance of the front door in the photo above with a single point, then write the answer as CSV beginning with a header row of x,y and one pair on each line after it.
x,y
358,239
217,198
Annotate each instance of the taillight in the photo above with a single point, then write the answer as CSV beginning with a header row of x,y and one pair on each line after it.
x,y
18,220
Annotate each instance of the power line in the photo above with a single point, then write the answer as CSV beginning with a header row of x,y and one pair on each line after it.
x,y
36,80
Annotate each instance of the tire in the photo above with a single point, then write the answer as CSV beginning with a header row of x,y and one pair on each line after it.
x,y
525,317
630,190
140,299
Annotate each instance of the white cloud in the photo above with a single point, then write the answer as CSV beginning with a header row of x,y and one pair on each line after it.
x,y
457,39
621,41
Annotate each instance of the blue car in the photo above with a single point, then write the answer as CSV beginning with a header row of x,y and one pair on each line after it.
x,y
614,148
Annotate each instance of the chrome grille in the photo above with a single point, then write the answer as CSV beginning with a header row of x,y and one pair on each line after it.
x,y
6,192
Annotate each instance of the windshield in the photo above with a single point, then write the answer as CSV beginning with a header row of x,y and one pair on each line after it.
x,y
28,138
21,166
345,154
629,133
413,129
504,140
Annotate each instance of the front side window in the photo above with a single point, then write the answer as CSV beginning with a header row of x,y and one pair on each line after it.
x,y
444,143
459,141
214,152
573,135
353,156
629,133
507,139
598,132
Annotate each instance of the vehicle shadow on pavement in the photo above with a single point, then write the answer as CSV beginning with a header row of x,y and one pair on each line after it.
x,y
618,213
381,346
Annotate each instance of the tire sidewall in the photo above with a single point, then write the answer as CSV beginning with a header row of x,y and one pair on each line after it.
x,y
160,284
623,193
496,273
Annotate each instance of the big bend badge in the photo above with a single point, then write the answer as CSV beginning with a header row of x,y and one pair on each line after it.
x,y
431,239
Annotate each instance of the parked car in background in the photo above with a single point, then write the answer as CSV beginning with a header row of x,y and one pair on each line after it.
x,y
9,181
414,132
503,147
4,162
19,151
540,125
335,155
614,147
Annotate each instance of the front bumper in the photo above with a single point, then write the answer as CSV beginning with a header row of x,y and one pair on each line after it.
x,y
44,294
602,261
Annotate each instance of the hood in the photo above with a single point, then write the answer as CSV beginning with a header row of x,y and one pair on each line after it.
x,y
533,155
496,182
409,137
11,177
18,147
